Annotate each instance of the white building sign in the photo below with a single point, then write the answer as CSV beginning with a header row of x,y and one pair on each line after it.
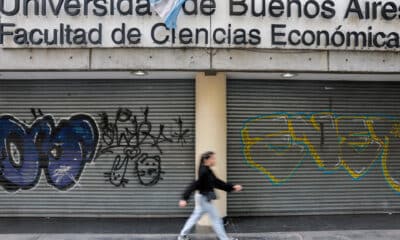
x,y
262,24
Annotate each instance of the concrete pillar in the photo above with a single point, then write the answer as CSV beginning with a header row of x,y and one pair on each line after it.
x,y
211,128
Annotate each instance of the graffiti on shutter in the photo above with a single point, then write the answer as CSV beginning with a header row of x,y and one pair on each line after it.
x,y
126,136
62,149
316,136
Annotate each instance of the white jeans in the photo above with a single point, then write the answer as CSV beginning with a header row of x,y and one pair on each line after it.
x,y
203,206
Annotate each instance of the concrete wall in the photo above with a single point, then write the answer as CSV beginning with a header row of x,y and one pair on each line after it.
x,y
199,59
211,128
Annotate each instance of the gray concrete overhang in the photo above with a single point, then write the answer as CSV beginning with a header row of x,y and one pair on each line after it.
x,y
200,59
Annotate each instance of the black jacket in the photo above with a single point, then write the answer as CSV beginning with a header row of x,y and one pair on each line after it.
x,y
206,183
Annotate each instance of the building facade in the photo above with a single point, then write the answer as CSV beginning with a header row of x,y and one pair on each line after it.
x,y
104,111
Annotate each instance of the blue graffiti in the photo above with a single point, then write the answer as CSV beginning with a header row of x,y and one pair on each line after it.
x,y
62,150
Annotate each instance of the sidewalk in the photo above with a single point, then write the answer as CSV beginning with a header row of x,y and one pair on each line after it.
x,y
325,235
337,227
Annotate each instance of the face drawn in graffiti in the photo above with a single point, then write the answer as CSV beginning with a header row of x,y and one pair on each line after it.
x,y
148,170
62,150
332,141
129,138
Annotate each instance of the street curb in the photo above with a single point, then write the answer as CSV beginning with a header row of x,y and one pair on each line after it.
x,y
314,235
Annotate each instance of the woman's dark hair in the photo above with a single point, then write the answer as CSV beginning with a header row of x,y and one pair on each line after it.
x,y
205,156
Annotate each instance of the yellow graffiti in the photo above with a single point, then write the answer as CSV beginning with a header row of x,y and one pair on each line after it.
x,y
396,130
357,141
250,141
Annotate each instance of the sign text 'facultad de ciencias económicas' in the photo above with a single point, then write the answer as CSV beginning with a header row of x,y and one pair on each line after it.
x,y
294,24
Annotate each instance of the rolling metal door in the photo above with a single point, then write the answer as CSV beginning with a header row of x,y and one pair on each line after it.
x,y
103,148
313,147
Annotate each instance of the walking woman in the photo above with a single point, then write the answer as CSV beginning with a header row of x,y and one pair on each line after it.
x,y
205,185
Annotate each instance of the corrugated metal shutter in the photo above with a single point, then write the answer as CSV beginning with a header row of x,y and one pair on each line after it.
x,y
347,162
98,191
